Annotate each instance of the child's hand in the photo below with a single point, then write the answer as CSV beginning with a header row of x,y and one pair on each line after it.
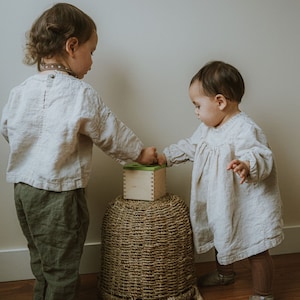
x,y
242,168
161,159
148,156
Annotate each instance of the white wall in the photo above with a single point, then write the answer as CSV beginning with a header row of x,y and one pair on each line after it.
x,y
147,53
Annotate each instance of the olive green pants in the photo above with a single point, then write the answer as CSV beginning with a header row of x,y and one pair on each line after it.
x,y
55,226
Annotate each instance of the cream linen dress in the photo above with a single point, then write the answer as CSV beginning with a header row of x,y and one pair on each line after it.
x,y
239,220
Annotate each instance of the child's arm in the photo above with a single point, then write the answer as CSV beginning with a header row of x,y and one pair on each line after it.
x,y
3,123
242,168
183,151
251,146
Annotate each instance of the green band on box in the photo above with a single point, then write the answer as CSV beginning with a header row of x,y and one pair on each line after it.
x,y
137,166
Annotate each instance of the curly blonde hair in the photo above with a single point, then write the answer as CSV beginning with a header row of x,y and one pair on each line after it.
x,y
49,33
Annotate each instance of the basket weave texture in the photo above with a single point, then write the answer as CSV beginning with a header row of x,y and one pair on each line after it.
x,y
147,250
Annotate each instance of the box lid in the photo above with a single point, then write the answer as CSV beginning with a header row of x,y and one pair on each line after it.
x,y
137,166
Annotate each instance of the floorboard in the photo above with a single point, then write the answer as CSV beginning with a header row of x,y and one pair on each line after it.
x,y
286,282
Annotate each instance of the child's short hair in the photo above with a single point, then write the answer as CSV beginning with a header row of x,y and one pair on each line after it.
x,y
218,77
53,28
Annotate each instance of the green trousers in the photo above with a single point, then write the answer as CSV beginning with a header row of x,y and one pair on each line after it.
x,y
55,226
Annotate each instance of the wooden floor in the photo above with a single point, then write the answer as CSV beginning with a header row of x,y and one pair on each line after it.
x,y
286,285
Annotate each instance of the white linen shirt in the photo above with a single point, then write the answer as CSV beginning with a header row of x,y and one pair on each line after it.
x,y
239,220
51,122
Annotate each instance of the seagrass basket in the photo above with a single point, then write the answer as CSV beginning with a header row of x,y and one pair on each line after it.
x,y
147,251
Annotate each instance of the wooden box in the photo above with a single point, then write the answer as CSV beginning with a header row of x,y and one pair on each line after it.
x,y
144,182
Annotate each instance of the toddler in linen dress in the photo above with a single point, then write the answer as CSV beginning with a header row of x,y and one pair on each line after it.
x,y
235,203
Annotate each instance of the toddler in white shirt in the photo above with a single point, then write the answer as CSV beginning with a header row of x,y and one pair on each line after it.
x,y
51,122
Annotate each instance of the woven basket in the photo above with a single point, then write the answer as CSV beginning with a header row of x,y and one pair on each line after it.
x,y
147,251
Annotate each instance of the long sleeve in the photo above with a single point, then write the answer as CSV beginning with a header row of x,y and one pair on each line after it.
x,y
107,132
184,150
3,124
252,146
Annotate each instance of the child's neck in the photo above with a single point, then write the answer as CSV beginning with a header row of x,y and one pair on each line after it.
x,y
229,112
55,60
56,64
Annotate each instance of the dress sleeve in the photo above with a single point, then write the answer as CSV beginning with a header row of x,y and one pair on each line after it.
x,y
184,150
252,146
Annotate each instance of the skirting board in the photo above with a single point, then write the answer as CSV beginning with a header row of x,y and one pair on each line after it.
x,y
15,262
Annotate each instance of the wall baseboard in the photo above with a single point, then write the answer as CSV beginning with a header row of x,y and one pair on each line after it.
x,y
15,262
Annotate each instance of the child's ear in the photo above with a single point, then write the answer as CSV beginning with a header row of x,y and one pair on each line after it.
x,y
221,101
72,45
